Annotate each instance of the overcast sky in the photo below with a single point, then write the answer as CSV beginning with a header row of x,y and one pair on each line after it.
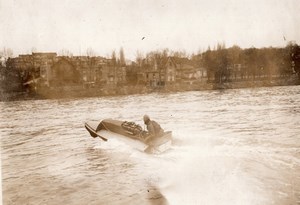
x,y
145,25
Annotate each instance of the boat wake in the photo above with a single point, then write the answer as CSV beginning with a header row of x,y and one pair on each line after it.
x,y
199,173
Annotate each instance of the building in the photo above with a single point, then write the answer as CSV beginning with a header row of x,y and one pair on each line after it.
x,y
188,72
171,71
159,73
63,73
48,69
42,63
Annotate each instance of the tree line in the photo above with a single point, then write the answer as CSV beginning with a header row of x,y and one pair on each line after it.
x,y
226,64
222,64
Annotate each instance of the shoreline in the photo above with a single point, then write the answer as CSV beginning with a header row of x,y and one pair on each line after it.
x,y
71,92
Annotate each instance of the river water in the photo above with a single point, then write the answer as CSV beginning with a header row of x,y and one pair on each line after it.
x,y
230,147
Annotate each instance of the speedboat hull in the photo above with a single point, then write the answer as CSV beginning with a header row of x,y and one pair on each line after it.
x,y
131,133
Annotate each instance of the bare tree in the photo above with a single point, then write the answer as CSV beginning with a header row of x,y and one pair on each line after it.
x,y
179,54
90,52
122,57
114,58
5,54
139,58
33,50
65,52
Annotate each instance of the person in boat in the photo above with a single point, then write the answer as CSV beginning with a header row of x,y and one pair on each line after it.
x,y
154,129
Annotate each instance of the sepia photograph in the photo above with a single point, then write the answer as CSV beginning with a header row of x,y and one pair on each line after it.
x,y
150,102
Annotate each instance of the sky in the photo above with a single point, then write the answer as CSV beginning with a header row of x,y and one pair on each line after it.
x,y
145,25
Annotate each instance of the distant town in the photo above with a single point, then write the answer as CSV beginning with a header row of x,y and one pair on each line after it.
x,y
49,75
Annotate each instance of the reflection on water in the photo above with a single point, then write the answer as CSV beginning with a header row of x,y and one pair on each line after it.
x,y
230,147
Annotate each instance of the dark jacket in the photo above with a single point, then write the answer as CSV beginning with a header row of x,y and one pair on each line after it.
x,y
154,129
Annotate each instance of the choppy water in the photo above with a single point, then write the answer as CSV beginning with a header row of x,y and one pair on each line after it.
x,y
231,147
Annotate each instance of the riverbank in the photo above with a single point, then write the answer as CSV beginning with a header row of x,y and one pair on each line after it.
x,y
80,92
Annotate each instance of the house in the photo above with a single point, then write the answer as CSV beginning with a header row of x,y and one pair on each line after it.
x,y
158,73
63,72
111,73
53,70
42,62
237,71
170,71
188,72
33,66
153,78
87,67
